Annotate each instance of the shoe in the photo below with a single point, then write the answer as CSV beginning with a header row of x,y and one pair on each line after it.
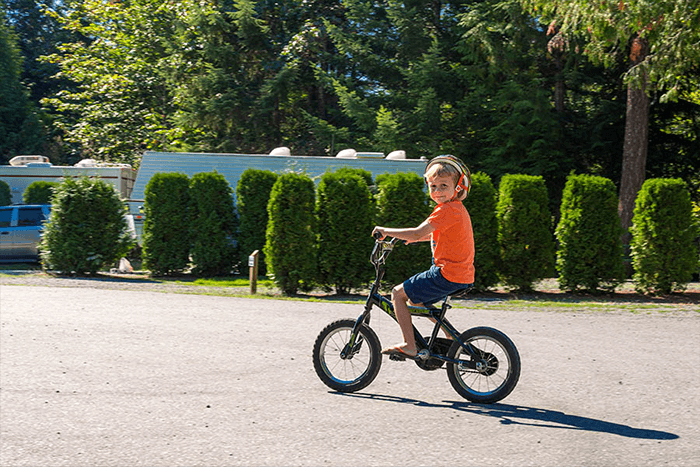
x,y
397,353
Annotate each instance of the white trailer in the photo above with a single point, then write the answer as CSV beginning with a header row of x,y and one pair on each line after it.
x,y
231,166
24,170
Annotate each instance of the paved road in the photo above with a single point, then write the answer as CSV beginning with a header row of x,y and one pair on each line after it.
x,y
121,378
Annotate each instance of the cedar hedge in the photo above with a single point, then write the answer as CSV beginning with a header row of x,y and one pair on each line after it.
x,y
345,215
589,254
524,236
290,241
214,225
481,205
5,194
664,241
664,255
39,192
253,196
402,202
87,229
166,229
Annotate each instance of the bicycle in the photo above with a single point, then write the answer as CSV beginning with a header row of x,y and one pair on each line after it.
x,y
482,363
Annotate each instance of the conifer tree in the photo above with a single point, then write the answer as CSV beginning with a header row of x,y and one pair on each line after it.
x,y
20,129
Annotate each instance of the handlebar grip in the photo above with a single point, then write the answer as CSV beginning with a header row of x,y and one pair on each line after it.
x,y
377,235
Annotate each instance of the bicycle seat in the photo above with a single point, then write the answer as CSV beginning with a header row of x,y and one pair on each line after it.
x,y
461,292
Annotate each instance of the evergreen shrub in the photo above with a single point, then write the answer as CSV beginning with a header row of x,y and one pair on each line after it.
x,y
345,220
290,242
39,192
214,225
5,194
696,221
664,255
253,195
87,229
365,174
589,254
403,202
524,236
166,228
481,204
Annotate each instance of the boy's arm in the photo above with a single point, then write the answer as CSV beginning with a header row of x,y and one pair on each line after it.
x,y
409,235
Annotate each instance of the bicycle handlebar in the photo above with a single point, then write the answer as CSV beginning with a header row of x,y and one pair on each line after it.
x,y
382,248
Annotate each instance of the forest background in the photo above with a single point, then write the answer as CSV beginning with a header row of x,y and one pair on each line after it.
x,y
511,86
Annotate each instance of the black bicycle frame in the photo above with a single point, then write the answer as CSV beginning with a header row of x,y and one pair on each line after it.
x,y
438,314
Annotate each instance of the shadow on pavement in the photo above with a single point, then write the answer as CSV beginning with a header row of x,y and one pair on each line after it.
x,y
529,416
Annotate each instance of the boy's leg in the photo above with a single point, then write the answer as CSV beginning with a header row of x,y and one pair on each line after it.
x,y
444,331
403,316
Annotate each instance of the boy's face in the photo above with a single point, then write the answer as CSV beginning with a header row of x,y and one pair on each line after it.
x,y
442,187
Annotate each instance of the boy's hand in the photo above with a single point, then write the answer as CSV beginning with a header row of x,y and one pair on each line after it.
x,y
378,233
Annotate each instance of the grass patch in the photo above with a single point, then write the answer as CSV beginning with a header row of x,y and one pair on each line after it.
x,y
229,282
569,306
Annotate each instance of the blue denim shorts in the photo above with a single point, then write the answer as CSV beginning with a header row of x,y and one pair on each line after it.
x,y
429,287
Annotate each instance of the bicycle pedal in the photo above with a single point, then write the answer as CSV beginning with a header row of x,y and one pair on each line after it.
x,y
397,357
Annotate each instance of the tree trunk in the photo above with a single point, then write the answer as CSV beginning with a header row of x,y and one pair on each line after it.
x,y
634,154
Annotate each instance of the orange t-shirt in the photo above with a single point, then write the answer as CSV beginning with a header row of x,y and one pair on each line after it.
x,y
453,242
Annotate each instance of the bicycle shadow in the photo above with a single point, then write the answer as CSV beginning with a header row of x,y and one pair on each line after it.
x,y
529,416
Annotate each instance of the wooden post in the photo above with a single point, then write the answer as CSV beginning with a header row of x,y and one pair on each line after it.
x,y
253,265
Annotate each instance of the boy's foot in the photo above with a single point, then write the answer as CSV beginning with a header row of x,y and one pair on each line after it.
x,y
399,351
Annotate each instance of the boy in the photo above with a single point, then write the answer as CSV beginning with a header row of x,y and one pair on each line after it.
x,y
449,229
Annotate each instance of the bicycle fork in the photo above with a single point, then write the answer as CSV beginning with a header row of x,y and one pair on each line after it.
x,y
355,342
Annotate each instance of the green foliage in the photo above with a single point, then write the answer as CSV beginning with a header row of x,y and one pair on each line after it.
x,y
402,202
345,219
481,79
610,28
664,254
87,230
589,255
118,103
39,192
166,229
20,128
524,236
366,175
5,194
290,244
214,225
481,205
253,196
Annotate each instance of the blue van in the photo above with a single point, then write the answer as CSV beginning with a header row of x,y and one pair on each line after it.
x,y
20,231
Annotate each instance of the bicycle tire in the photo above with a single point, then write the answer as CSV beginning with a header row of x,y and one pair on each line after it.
x,y
498,369
352,373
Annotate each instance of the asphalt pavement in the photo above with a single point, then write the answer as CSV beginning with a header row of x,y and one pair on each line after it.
x,y
129,378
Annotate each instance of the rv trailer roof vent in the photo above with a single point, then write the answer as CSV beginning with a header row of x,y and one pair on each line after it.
x,y
347,154
397,155
87,163
281,151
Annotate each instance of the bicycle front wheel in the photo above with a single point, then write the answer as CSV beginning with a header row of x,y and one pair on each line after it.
x,y
491,373
342,367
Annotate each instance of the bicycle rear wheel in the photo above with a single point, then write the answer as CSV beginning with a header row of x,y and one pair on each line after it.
x,y
354,370
492,373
